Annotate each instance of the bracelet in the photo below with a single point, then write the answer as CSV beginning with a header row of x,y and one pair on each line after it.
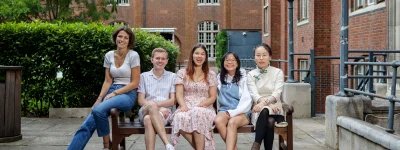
x,y
115,92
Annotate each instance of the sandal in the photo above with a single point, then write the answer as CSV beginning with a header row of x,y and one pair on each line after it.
x,y
107,145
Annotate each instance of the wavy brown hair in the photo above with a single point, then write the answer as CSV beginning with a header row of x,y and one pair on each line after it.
x,y
204,66
128,30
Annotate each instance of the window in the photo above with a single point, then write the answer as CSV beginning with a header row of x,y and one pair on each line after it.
x,y
303,10
359,4
207,31
266,17
208,2
303,66
122,2
118,23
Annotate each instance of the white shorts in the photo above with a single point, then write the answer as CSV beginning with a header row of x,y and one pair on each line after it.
x,y
165,118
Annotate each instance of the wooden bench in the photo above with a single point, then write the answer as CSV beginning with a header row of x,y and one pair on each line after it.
x,y
122,128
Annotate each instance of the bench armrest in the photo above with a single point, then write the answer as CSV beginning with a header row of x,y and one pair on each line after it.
x,y
287,108
114,113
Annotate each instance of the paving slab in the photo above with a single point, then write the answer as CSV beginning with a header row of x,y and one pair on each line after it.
x,y
56,133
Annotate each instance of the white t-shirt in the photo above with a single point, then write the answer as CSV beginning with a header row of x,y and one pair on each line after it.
x,y
122,75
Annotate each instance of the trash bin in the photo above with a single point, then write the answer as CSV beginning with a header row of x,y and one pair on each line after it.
x,y
10,103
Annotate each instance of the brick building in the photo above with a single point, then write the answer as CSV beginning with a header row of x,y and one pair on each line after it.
x,y
372,25
195,21
317,26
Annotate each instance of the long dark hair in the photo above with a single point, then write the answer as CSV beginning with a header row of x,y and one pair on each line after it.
x,y
224,72
204,66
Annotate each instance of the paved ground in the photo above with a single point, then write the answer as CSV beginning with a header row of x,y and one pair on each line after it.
x,y
55,134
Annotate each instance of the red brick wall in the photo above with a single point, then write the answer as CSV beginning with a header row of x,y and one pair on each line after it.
x,y
245,14
368,31
185,16
322,47
283,33
322,32
277,34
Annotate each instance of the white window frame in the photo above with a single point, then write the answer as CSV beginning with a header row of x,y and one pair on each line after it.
x,y
207,2
123,2
303,65
303,10
207,32
360,3
371,2
361,6
266,19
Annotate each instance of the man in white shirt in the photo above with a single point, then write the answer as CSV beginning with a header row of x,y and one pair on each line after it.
x,y
156,95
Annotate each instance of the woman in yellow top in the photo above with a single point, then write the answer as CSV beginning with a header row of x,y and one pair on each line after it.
x,y
265,85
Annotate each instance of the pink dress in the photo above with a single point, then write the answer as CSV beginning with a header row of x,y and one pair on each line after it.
x,y
196,119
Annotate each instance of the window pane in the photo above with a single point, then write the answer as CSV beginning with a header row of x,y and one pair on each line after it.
x,y
208,50
201,27
206,36
201,38
213,37
212,51
208,26
215,27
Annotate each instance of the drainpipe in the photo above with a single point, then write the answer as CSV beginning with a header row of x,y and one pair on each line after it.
x,y
290,44
144,12
344,48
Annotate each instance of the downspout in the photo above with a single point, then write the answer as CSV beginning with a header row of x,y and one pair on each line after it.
x,y
144,13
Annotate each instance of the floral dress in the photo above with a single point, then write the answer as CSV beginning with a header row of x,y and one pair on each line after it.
x,y
196,119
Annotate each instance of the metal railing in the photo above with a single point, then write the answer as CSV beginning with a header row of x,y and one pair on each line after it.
x,y
367,79
392,97
311,72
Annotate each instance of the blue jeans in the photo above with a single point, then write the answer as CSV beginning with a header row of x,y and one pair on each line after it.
x,y
98,119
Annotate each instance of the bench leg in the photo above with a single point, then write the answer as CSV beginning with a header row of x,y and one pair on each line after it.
x,y
116,140
123,144
289,141
281,143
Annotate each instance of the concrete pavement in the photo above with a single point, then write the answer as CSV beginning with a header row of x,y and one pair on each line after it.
x,y
56,133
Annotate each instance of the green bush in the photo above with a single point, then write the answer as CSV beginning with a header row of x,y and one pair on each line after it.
x,y
221,46
75,49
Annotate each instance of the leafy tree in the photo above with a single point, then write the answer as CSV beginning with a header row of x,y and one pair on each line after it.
x,y
52,10
19,10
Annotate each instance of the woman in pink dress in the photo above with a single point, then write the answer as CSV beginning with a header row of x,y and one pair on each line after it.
x,y
196,92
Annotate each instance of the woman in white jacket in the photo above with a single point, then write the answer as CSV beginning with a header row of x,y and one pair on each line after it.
x,y
233,98
265,86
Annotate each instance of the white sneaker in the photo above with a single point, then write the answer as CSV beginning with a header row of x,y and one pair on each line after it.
x,y
169,147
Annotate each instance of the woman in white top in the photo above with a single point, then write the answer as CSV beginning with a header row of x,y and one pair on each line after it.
x,y
265,86
233,98
122,74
